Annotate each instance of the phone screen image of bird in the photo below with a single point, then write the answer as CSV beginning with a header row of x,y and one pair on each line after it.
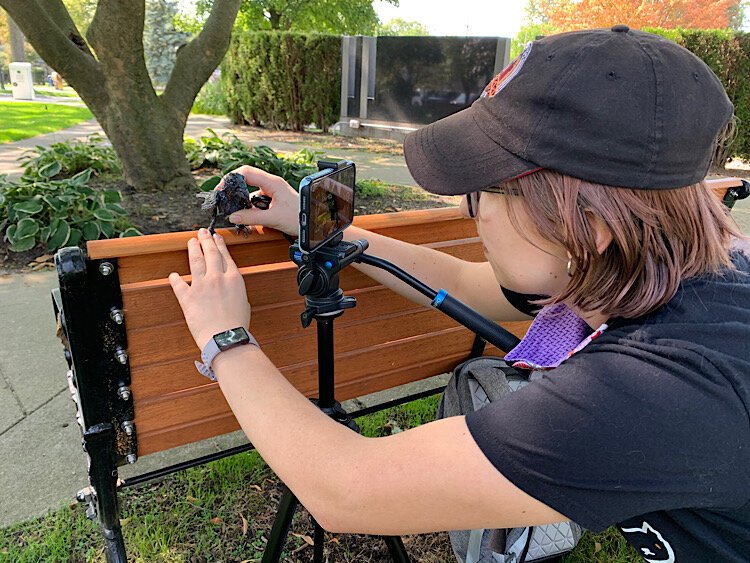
x,y
331,205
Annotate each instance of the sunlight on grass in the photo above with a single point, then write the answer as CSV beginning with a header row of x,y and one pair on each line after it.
x,y
21,120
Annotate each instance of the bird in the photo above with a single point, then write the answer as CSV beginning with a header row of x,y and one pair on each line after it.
x,y
233,196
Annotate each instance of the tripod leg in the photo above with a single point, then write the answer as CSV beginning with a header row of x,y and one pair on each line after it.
x,y
319,541
280,529
396,549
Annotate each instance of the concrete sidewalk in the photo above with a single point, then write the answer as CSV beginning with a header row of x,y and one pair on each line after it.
x,y
387,168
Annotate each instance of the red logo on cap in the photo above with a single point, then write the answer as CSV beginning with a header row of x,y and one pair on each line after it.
x,y
507,74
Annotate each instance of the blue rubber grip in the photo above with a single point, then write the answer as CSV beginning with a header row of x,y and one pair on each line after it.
x,y
439,298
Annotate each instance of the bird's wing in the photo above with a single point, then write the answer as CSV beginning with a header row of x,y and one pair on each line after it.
x,y
209,199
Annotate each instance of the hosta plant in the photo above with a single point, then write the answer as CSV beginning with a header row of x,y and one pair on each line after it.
x,y
59,213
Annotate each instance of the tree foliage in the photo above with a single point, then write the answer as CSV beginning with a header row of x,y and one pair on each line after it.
x,y
81,12
348,17
400,27
568,15
160,39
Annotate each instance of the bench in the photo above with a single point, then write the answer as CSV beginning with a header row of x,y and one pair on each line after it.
x,y
131,355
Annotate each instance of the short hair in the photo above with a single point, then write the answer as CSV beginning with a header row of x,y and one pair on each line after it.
x,y
659,239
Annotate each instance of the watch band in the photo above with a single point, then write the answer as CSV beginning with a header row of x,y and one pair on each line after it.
x,y
211,350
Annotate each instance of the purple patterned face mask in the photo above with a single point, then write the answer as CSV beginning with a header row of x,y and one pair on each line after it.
x,y
554,335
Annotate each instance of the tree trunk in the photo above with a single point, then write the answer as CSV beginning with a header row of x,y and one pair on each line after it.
x,y
145,129
17,52
148,140
274,19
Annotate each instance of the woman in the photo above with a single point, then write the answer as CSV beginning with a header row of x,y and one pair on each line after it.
x,y
639,414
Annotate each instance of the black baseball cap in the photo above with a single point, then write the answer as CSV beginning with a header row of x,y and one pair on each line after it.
x,y
613,106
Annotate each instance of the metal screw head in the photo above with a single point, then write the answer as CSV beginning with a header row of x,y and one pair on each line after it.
x,y
116,315
122,356
106,268
128,427
124,392
131,458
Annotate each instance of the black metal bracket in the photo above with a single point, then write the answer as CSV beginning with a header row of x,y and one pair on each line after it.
x,y
88,308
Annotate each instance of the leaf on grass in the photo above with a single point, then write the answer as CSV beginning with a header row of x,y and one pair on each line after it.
x,y
305,538
256,488
597,547
193,499
124,521
244,524
216,520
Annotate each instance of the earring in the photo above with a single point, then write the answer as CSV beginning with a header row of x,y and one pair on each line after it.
x,y
569,267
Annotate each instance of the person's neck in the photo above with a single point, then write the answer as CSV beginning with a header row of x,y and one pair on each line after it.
x,y
594,319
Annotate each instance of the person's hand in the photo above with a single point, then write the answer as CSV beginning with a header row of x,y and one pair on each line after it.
x,y
216,299
284,210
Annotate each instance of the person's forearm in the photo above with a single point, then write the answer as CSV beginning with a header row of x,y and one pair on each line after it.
x,y
303,446
432,267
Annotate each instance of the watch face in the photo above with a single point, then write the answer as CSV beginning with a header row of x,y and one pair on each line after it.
x,y
231,338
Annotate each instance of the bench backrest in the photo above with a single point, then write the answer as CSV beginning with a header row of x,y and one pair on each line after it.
x,y
383,342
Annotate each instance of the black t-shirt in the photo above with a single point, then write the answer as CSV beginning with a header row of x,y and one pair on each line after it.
x,y
647,427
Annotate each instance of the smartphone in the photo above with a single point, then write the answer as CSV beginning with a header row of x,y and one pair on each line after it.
x,y
326,205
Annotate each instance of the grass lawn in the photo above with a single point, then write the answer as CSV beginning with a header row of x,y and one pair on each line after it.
x,y
21,120
223,512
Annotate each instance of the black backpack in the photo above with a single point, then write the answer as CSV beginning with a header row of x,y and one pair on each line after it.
x,y
473,385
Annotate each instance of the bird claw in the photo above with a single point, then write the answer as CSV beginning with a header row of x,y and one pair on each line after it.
x,y
243,229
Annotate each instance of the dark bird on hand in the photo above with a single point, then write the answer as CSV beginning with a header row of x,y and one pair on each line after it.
x,y
234,196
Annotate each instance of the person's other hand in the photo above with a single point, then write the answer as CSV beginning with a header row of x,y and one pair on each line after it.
x,y
284,210
216,299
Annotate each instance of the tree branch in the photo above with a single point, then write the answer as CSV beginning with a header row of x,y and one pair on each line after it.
x,y
60,15
199,58
42,29
116,34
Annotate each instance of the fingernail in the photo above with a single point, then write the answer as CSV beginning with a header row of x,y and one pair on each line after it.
x,y
217,236
235,218
203,232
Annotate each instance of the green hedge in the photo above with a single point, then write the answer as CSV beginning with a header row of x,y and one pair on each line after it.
x,y
283,79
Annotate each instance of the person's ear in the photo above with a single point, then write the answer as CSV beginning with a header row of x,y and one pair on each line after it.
x,y
602,234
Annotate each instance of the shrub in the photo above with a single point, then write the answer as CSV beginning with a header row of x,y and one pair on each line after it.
x,y
283,79
59,212
211,99
68,158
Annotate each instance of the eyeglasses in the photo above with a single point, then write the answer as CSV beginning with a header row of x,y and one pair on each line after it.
x,y
472,198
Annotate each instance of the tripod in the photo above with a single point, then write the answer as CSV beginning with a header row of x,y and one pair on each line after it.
x,y
318,280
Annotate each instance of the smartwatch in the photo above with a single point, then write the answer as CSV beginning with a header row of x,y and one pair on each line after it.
x,y
219,343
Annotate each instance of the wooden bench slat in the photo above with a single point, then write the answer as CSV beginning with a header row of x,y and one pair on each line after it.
x,y
153,303
167,242
154,266
170,437
187,413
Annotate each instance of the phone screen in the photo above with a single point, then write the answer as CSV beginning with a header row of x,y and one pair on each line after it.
x,y
329,208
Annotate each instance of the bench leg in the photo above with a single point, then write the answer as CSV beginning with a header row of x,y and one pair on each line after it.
x,y
99,445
